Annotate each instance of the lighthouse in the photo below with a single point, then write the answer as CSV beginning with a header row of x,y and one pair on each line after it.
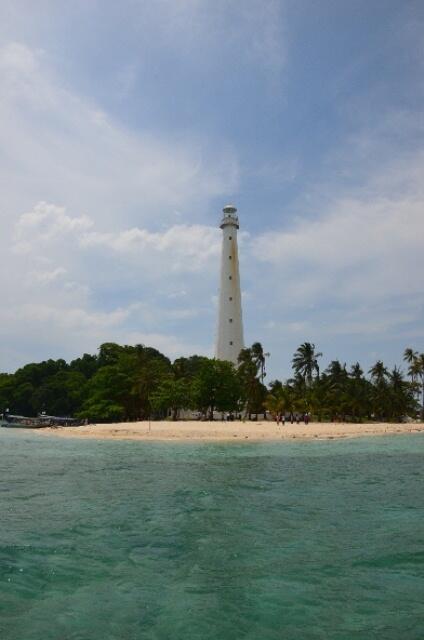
x,y
229,341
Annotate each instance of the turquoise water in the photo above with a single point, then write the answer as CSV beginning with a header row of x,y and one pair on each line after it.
x,y
130,540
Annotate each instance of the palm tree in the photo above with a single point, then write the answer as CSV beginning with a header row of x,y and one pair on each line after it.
x,y
317,398
336,371
402,395
247,373
305,361
409,356
337,380
397,393
380,400
417,371
378,372
356,371
278,401
246,364
258,357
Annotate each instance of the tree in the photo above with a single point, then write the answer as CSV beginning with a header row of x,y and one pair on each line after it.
x,y
7,384
171,393
188,368
315,397
87,365
126,382
359,394
109,353
410,356
125,379
379,393
216,388
279,399
379,373
305,361
145,381
417,371
108,393
253,391
401,396
337,391
356,371
298,392
258,357
61,395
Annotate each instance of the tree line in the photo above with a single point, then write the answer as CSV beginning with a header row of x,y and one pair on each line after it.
x,y
139,382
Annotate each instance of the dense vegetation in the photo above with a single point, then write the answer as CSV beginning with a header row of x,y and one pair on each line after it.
x,y
133,383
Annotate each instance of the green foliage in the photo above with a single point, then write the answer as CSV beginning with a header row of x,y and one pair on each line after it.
x,y
279,400
171,393
251,371
87,365
416,371
62,393
216,387
305,361
137,382
188,368
98,410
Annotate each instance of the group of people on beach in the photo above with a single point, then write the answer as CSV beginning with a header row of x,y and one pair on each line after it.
x,y
297,418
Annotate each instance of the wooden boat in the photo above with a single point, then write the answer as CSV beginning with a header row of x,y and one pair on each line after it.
x,y
42,420
57,421
19,422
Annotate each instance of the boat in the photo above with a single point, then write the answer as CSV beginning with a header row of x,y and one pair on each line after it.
x,y
19,422
57,421
42,420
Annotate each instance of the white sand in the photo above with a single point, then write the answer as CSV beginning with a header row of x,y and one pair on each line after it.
x,y
229,431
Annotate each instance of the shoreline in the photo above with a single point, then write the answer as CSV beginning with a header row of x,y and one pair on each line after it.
x,y
183,431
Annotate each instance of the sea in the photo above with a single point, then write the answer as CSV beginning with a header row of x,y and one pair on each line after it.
x,y
130,540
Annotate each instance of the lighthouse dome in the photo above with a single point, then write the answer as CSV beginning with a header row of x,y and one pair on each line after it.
x,y
230,217
229,209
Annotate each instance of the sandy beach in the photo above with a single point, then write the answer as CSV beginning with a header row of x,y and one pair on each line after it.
x,y
229,431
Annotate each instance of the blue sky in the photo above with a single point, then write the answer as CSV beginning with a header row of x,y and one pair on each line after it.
x,y
126,127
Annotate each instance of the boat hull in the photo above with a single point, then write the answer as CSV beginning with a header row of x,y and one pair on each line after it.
x,y
19,425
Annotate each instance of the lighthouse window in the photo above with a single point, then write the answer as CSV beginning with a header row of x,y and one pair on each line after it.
x,y
231,319
230,277
231,257
230,237
231,298
231,342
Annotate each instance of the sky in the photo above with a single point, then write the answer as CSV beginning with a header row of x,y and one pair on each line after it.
x,y
125,127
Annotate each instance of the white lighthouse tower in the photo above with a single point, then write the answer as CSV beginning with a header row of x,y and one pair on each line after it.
x,y
230,325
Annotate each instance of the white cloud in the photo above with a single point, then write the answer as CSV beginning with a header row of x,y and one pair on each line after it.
x,y
170,345
62,263
106,261
346,274
68,319
358,248
45,277
62,148
49,229
17,60
185,247
67,332
65,265
45,224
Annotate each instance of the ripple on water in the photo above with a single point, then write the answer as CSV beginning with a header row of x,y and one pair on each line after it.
x,y
154,540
